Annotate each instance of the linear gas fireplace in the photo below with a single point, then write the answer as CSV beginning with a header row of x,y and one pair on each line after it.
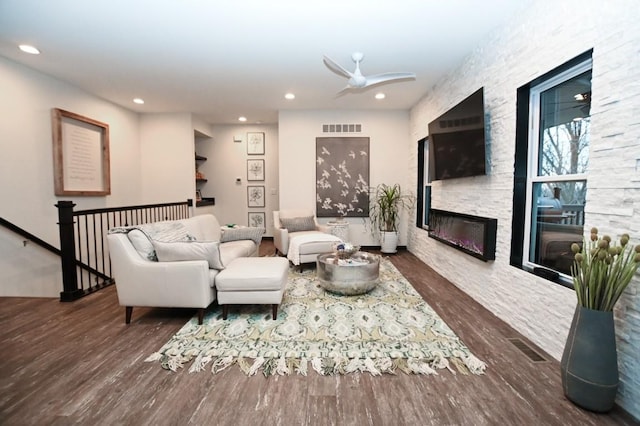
x,y
473,235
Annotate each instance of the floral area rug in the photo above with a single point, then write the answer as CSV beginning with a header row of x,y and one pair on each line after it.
x,y
388,330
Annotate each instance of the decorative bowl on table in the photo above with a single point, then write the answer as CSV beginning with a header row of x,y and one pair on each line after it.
x,y
345,250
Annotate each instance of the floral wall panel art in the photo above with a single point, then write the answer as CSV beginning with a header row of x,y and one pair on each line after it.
x,y
342,177
255,143
255,196
255,170
257,219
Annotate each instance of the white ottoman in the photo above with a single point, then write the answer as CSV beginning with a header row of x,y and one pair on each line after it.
x,y
252,280
305,247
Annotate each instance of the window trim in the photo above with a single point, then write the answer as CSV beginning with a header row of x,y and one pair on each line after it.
x,y
533,175
423,194
522,180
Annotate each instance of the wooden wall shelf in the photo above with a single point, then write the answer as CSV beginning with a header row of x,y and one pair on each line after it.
x,y
207,201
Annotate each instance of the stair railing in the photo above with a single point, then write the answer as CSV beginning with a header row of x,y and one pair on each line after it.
x,y
84,251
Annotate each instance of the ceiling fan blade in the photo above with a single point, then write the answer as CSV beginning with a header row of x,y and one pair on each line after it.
x,y
335,67
388,77
357,81
345,90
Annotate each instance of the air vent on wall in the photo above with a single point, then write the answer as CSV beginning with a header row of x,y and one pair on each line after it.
x,y
341,128
527,350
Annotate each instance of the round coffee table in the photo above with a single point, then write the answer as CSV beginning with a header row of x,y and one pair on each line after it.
x,y
349,277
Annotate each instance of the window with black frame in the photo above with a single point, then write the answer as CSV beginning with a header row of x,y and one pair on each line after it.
x,y
423,189
552,156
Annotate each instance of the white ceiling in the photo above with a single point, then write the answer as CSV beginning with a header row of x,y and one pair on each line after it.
x,y
223,59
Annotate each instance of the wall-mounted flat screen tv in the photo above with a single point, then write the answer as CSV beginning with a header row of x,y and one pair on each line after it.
x,y
456,140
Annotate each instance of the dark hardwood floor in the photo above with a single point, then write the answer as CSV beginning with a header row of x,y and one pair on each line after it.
x,y
78,363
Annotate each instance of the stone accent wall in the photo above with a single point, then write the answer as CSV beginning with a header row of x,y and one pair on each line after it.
x,y
542,36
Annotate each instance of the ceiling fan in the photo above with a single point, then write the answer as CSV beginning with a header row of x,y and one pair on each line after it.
x,y
358,81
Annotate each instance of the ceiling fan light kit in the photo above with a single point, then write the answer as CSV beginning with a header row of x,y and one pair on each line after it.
x,y
358,81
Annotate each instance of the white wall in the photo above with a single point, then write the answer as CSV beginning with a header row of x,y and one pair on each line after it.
x,y
542,37
151,160
200,125
167,158
26,269
26,169
388,133
227,161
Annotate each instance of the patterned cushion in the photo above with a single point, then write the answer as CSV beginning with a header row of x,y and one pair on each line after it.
x,y
166,231
142,235
249,233
142,244
189,250
297,224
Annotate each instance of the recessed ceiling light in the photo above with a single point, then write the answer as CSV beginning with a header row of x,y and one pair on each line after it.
x,y
138,101
380,96
26,48
242,118
289,96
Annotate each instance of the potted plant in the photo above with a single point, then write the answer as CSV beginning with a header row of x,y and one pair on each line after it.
x,y
589,367
386,205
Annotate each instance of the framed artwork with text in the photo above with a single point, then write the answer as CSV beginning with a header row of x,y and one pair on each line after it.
x,y
81,163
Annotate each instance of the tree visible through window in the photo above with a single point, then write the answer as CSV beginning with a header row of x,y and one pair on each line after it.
x,y
565,148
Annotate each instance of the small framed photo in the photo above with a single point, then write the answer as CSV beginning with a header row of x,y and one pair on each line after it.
x,y
257,219
255,170
255,196
255,143
198,195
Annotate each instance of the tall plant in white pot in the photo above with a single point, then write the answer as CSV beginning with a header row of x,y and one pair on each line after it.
x,y
387,203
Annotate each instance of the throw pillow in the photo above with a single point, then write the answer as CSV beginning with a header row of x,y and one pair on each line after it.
x,y
189,250
166,231
297,224
142,244
142,235
249,233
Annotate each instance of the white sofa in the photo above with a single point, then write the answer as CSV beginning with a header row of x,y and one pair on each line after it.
x,y
179,283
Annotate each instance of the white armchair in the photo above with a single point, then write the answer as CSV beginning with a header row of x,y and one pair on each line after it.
x,y
301,225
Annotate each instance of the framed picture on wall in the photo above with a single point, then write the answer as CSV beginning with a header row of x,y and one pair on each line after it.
x,y
342,177
255,143
255,196
81,161
255,170
257,219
